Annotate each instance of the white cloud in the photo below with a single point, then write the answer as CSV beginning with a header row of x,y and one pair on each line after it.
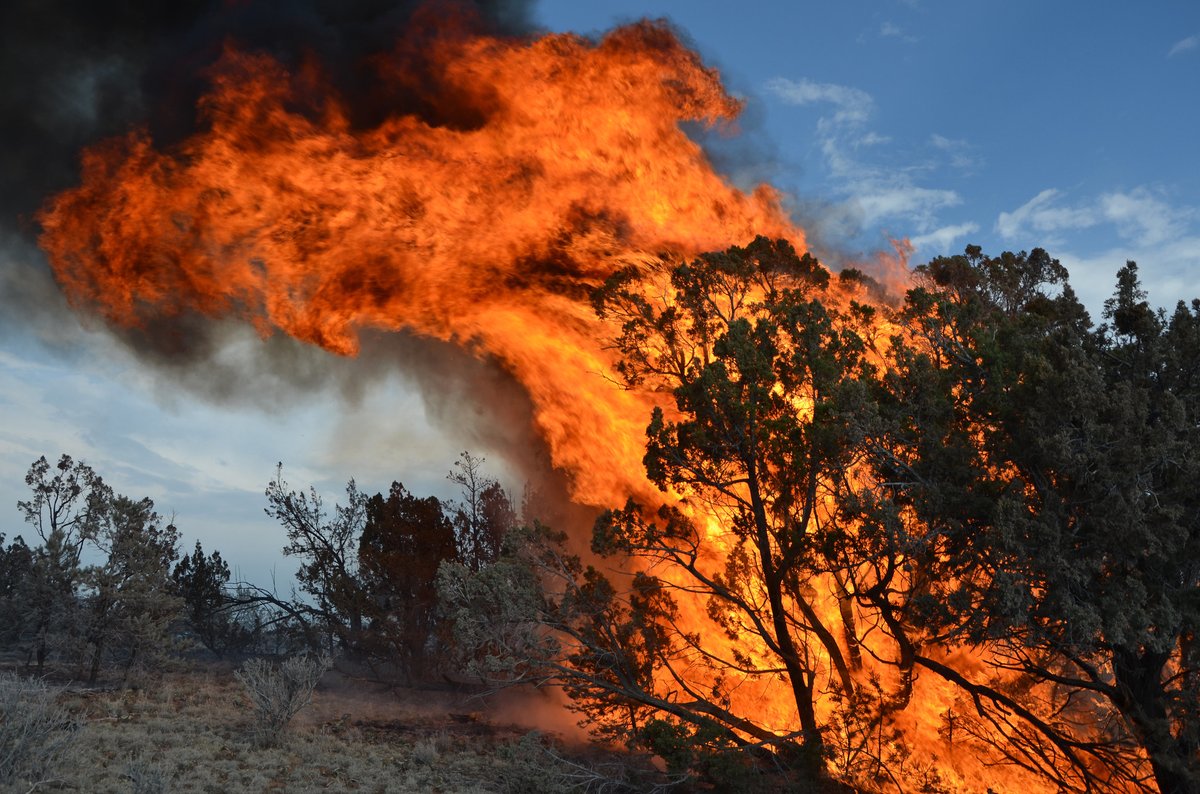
x,y
853,105
1141,216
1184,45
1163,239
890,30
961,153
880,201
1138,216
871,139
1042,214
870,194
939,241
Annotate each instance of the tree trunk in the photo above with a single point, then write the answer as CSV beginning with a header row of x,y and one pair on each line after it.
x,y
96,654
849,631
1143,702
802,686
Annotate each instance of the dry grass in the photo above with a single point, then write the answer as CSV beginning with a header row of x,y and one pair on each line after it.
x,y
36,732
194,732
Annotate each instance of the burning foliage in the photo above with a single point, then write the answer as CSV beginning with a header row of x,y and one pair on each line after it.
x,y
946,543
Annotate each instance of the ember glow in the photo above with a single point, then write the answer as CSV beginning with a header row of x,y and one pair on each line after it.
x,y
551,164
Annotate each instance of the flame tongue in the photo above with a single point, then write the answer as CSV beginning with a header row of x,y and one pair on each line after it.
x,y
570,162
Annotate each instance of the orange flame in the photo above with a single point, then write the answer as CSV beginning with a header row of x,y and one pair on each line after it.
x,y
486,236
567,161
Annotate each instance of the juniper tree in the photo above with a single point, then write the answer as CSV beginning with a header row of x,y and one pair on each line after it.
x,y
129,601
1054,464
68,504
404,540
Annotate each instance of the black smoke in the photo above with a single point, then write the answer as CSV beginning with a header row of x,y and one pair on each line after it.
x,y
73,72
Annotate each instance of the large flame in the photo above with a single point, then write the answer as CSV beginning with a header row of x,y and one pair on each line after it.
x,y
561,160
486,233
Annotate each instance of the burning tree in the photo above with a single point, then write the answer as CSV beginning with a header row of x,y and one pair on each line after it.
x,y
976,501
974,510
765,364
767,376
1056,463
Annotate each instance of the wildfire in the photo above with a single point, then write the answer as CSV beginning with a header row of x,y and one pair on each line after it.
x,y
486,234
562,161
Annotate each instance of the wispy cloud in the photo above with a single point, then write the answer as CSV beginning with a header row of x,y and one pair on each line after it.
x,y
1139,216
940,241
1144,218
1184,45
1045,215
871,195
880,199
890,30
962,155
852,105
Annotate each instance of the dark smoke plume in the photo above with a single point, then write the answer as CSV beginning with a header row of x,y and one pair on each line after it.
x,y
75,72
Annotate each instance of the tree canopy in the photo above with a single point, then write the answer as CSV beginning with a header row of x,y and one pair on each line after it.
x,y
975,486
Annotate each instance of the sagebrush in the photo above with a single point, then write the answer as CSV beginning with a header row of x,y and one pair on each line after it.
x,y
279,692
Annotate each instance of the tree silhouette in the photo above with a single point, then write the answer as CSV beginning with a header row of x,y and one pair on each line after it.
x,y
404,540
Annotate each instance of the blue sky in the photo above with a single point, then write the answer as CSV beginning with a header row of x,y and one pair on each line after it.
x,y
1070,126
1066,125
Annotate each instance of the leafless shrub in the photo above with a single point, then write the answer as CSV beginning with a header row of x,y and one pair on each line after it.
x,y
146,776
279,692
35,731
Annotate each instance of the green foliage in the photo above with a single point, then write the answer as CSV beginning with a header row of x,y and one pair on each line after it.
x,y
327,544
484,514
16,568
130,603
500,614
1051,468
704,752
202,582
370,566
404,540
120,608
68,506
